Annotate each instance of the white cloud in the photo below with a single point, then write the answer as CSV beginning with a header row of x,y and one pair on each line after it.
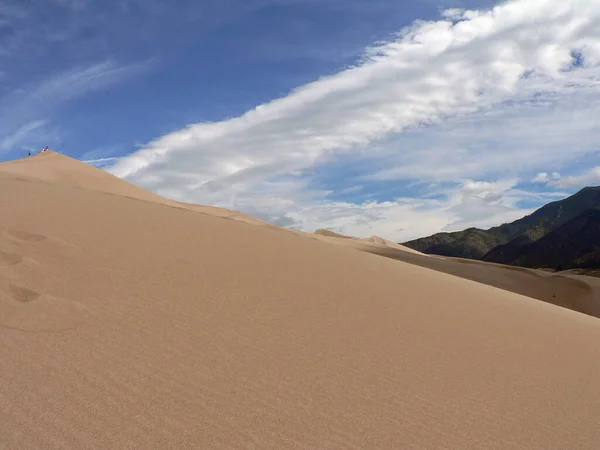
x,y
484,204
471,203
543,177
101,162
540,126
453,13
476,66
592,177
101,156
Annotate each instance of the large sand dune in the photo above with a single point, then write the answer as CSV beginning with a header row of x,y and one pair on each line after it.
x,y
129,321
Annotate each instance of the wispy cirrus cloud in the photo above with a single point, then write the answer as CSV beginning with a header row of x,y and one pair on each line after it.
x,y
517,70
101,162
20,134
29,108
66,85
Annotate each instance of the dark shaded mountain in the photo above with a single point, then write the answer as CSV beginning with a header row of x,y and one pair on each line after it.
x,y
505,242
575,244
471,243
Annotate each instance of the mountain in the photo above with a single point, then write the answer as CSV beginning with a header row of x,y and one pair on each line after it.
x,y
471,243
505,242
575,244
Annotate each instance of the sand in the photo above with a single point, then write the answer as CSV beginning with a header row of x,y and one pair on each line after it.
x,y
373,244
568,289
129,321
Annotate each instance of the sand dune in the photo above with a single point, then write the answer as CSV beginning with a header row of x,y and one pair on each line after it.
x,y
225,213
371,243
58,169
140,324
52,167
333,234
569,290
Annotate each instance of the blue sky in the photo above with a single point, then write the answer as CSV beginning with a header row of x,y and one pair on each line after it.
x,y
384,117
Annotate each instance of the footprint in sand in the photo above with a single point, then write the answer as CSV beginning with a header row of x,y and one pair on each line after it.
x,y
31,238
23,294
9,259
25,309
25,236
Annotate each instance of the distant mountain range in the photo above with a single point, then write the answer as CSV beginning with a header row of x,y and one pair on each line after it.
x,y
560,235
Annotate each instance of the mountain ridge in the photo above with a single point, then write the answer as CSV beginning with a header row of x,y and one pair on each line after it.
x,y
504,244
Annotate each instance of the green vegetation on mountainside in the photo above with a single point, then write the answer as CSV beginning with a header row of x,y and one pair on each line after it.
x,y
505,243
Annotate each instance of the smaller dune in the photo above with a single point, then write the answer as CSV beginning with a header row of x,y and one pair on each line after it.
x,y
333,234
372,242
569,290
376,240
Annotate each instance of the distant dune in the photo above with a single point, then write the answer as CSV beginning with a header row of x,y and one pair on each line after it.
x,y
569,290
373,242
131,321
329,233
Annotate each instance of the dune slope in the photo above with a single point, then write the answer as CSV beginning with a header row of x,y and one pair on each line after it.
x,y
569,290
371,244
136,324
55,168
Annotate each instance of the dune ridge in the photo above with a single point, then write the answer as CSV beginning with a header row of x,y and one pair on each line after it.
x,y
371,243
136,324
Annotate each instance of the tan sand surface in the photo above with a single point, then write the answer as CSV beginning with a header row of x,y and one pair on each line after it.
x,y
372,243
333,234
566,289
133,324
